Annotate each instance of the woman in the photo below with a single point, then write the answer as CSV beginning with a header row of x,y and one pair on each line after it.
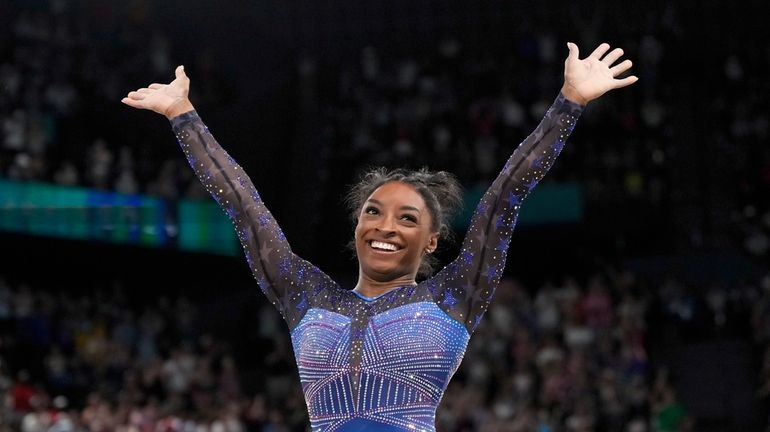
x,y
380,356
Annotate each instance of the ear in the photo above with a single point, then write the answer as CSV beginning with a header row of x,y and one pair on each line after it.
x,y
433,242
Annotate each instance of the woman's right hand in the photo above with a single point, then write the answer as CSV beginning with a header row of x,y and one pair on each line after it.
x,y
167,99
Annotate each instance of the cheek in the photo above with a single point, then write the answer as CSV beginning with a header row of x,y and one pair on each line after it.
x,y
358,234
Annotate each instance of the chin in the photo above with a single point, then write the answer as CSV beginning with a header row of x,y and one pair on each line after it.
x,y
383,273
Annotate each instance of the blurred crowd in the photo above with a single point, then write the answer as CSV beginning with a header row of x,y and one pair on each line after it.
x,y
459,107
567,356
64,70
453,108
464,112
100,361
744,128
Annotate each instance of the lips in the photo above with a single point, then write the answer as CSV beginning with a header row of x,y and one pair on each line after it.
x,y
384,246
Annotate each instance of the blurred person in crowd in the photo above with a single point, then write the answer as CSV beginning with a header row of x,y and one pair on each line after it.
x,y
380,356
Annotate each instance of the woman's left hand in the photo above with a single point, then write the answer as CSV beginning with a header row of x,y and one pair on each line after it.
x,y
587,79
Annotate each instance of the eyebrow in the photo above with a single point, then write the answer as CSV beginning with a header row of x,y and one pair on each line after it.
x,y
406,207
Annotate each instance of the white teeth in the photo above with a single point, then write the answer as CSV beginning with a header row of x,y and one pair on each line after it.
x,y
383,245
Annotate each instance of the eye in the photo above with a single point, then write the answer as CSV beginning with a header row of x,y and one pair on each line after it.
x,y
371,210
410,218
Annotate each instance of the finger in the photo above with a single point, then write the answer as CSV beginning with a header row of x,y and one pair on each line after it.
x,y
621,67
135,95
132,103
627,81
144,90
599,51
574,51
610,58
156,86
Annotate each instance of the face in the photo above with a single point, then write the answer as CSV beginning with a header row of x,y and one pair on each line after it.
x,y
393,232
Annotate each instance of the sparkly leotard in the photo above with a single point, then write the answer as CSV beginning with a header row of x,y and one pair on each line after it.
x,y
378,363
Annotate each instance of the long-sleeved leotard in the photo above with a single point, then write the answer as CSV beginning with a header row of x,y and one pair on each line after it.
x,y
378,363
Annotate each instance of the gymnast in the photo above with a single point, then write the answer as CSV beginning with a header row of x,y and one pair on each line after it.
x,y
378,356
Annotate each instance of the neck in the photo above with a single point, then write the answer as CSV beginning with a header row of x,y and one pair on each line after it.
x,y
369,287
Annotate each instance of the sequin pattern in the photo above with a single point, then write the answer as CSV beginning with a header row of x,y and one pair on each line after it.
x,y
379,363
409,353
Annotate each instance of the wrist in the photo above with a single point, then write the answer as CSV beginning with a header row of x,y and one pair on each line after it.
x,y
178,107
572,95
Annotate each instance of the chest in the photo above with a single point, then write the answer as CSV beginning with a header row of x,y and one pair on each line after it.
x,y
416,345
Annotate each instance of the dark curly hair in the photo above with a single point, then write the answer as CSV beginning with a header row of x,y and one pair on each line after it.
x,y
440,190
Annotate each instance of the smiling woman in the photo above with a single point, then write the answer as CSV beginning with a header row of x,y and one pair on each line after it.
x,y
395,230
438,192
379,356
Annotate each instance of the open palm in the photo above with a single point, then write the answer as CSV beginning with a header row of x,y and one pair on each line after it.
x,y
161,98
587,79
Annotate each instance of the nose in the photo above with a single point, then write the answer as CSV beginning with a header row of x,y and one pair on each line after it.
x,y
386,225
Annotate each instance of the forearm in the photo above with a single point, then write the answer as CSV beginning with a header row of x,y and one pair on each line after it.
x,y
220,174
259,233
535,156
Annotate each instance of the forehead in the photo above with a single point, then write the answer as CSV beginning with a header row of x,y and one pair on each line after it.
x,y
398,193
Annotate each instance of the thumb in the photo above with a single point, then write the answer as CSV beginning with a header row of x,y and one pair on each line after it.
x,y
574,51
179,72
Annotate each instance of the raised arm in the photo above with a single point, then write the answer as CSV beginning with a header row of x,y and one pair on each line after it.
x,y
465,287
286,279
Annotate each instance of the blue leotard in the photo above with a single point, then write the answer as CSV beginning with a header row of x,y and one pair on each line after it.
x,y
378,363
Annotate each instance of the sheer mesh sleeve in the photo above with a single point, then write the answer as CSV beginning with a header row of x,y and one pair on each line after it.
x,y
287,280
465,287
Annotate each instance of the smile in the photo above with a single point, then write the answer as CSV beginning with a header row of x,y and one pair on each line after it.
x,y
390,247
